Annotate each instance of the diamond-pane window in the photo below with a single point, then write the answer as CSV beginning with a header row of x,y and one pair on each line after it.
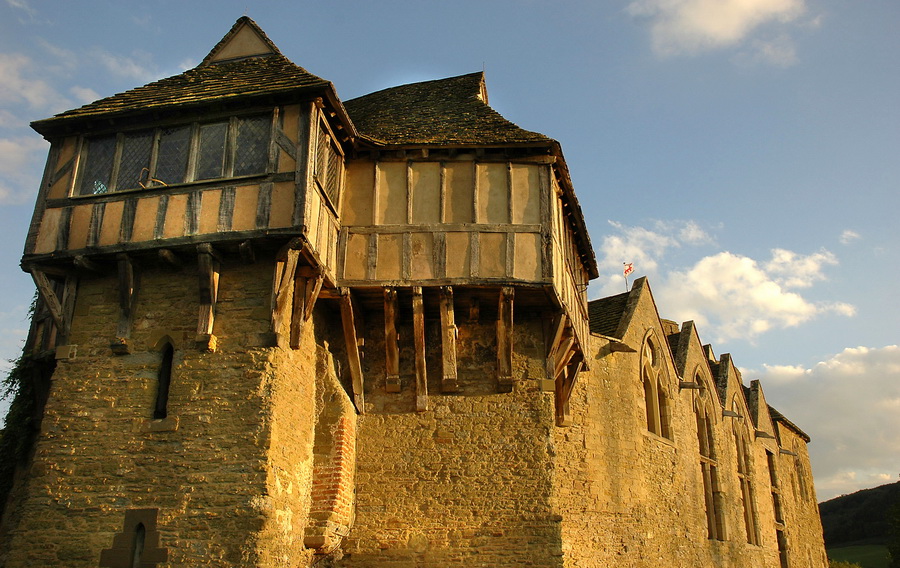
x,y
134,163
252,147
98,165
334,170
172,155
211,153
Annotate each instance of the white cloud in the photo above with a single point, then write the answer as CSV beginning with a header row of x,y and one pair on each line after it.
x,y
692,26
727,295
22,5
20,167
18,87
848,236
84,94
849,404
137,67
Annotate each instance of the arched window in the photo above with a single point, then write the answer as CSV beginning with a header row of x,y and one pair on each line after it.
x,y
741,436
656,398
164,378
715,521
137,547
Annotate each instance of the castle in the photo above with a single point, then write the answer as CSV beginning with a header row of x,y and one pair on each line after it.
x,y
278,329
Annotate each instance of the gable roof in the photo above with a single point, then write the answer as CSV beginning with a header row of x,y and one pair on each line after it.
x,y
779,417
452,111
244,39
606,313
265,74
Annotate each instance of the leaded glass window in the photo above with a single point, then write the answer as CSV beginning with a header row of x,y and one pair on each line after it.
x,y
172,155
98,167
134,162
211,151
252,147
180,154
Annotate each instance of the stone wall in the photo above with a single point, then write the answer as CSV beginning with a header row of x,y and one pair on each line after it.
x,y
229,468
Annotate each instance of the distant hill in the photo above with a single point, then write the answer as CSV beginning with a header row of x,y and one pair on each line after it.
x,y
859,518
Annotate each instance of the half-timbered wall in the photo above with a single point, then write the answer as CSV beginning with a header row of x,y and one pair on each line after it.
x,y
444,222
297,194
570,278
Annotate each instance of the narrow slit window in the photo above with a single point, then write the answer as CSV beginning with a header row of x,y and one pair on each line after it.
x,y
137,548
165,378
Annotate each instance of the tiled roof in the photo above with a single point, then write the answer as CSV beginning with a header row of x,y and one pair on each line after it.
x,y
219,82
606,313
446,112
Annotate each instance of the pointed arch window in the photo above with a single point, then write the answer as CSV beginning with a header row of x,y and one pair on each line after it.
x,y
164,379
715,521
741,437
656,398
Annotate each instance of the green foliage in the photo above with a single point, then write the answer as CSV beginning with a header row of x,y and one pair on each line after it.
x,y
859,518
17,435
894,540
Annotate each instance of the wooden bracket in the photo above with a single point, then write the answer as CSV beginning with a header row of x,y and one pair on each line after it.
x,y
83,262
48,295
565,384
564,362
348,319
128,289
282,288
61,310
391,345
419,340
307,285
170,258
505,339
448,341
248,255
208,268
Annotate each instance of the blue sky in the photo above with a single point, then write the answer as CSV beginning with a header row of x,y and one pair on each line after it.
x,y
744,154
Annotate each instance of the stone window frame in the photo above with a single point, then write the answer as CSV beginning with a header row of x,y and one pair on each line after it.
x,y
120,139
134,546
709,464
657,398
745,474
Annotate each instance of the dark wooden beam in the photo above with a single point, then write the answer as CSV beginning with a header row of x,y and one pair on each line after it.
x,y
48,295
505,339
419,340
391,345
282,288
208,269
449,381
128,290
348,319
307,285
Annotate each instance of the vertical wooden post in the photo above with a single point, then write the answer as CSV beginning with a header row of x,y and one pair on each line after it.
x,y
282,287
505,339
208,268
419,340
307,286
348,319
128,286
391,347
448,342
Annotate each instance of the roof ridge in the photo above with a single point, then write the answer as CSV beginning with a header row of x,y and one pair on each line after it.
x,y
239,24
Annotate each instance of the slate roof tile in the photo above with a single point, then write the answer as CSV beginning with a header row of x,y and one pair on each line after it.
x,y
230,80
606,313
443,112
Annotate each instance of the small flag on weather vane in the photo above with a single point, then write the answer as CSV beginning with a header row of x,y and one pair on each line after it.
x,y
628,268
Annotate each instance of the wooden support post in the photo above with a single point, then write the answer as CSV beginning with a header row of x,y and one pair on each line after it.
x,y
505,339
170,258
208,269
565,383
128,288
70,288
391,346
48,295
348,319
419,340
282,287
448,342
248,255
307,285
474,309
